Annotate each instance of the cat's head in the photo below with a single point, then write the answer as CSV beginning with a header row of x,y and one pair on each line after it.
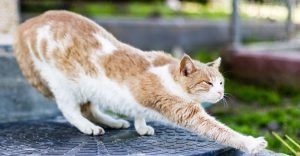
x,y
202,81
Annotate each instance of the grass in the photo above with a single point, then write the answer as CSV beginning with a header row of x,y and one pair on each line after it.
x,y
221,10
135,9
142,10
292,141
258,110
252,93
94,9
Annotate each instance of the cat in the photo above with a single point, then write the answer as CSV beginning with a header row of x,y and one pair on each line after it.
x,y
86,70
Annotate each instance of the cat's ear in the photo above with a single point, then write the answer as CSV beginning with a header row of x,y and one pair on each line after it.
x,y
216,63
187,66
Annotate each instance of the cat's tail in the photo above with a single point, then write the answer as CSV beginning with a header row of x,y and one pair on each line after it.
x,y
27,67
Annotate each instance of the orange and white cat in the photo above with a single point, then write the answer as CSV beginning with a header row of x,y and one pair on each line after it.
x,y
86,70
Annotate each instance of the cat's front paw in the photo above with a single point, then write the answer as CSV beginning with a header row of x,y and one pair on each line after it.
x,y
255,145
145,130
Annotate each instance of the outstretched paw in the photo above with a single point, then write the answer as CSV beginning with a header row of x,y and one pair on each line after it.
x,y
146,130
256,145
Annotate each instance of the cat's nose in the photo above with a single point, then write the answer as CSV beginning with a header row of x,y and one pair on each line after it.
x,y
220,93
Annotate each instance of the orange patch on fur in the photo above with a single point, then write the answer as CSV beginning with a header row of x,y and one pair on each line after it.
x,y
120,65
27,67
162,59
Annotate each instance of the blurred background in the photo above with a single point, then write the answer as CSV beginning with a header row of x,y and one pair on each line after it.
x,y
257,39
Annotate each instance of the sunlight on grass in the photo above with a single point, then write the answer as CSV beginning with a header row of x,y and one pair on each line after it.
x,y
264,11
212,11
142,9
276,12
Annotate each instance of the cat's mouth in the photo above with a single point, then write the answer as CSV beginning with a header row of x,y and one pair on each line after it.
x,y
218,99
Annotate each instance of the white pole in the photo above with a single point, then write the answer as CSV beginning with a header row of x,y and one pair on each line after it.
x,y
289,21
235,25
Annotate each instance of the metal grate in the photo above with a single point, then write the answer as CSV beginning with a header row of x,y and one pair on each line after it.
x,y
56,138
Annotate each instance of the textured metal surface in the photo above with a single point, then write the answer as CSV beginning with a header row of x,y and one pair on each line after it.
x,y
18,100
55,138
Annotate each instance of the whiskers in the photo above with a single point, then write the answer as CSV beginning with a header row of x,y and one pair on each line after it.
x,y
224,100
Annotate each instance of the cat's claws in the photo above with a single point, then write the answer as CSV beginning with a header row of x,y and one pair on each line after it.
x,y
147,130
256,145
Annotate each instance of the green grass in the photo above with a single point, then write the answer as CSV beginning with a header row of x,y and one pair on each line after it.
x,y
94,9
289,143
204,55
253,93
143,10
140,9
132,9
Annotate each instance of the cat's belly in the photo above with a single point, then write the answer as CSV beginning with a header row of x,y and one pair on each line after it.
x,y
114,96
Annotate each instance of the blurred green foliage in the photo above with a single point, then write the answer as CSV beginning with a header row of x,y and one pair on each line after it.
x,y
257,110
138,9
91,9
253,93
206,9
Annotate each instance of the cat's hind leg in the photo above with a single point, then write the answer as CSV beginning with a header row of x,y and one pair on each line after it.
x,y
71,111
97,116
141,127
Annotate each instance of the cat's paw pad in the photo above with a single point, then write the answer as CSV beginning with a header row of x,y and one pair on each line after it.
x,y
147,130
120,123
256,145
93,130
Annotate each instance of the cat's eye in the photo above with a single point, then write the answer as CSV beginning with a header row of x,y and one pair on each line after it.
x,y
209,83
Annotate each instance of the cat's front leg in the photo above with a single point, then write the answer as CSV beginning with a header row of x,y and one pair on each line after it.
x,y
204,124
141,127
225,135
194,118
